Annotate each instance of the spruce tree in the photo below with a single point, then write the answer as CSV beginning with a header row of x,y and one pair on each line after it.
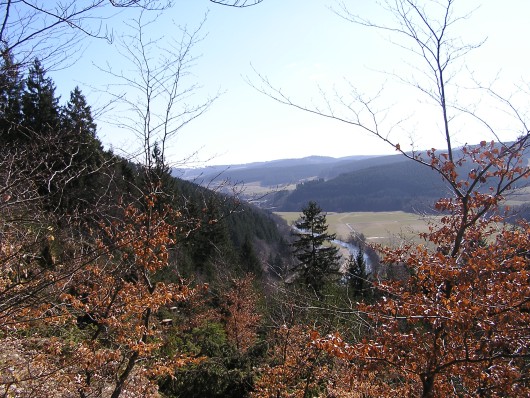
x,y
77,115
39,104
11,88
248,257
81,150
317,257
78,131
358,274
158,178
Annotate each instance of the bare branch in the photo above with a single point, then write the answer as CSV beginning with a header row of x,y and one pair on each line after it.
x,y
237,3
155,94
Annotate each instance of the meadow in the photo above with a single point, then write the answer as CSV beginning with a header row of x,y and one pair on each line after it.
x,y
388,228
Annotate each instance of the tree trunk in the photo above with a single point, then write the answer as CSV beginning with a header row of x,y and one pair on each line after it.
x,y
427,381
124,376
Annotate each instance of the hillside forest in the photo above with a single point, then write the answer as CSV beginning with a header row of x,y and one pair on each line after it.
x,y
351,184
118,279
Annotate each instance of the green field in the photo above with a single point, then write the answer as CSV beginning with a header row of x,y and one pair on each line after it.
x,y
389,228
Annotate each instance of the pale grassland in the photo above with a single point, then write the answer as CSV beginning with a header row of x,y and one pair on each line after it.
x,y
255,189
517,197
388,228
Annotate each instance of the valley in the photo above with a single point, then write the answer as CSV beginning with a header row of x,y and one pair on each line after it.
x,y
390,183
403,275
386,228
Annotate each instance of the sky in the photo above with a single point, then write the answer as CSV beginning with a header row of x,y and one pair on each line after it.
x,y
305,49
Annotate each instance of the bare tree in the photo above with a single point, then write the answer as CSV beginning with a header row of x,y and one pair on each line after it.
x,y
156,92
426,31
54,30
417,335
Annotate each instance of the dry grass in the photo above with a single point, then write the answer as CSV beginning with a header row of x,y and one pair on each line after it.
x,y
388,228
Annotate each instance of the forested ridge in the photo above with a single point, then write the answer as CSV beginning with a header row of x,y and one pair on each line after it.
x,y
118,280
379,183
397,186
401,185
73,215
278,172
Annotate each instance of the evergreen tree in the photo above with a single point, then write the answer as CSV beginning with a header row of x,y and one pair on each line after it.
x,y
77,115
158,178
206,233
357,274
11,88
78,130
316,256
39,104
248,258
78,139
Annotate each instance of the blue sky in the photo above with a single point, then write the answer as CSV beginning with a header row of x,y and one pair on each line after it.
x,y
301,46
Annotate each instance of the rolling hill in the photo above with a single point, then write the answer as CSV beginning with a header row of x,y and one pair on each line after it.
x,y
280,172
357,183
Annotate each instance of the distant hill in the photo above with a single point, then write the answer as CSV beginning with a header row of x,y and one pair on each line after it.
x,y
357,183
278,172
403,185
